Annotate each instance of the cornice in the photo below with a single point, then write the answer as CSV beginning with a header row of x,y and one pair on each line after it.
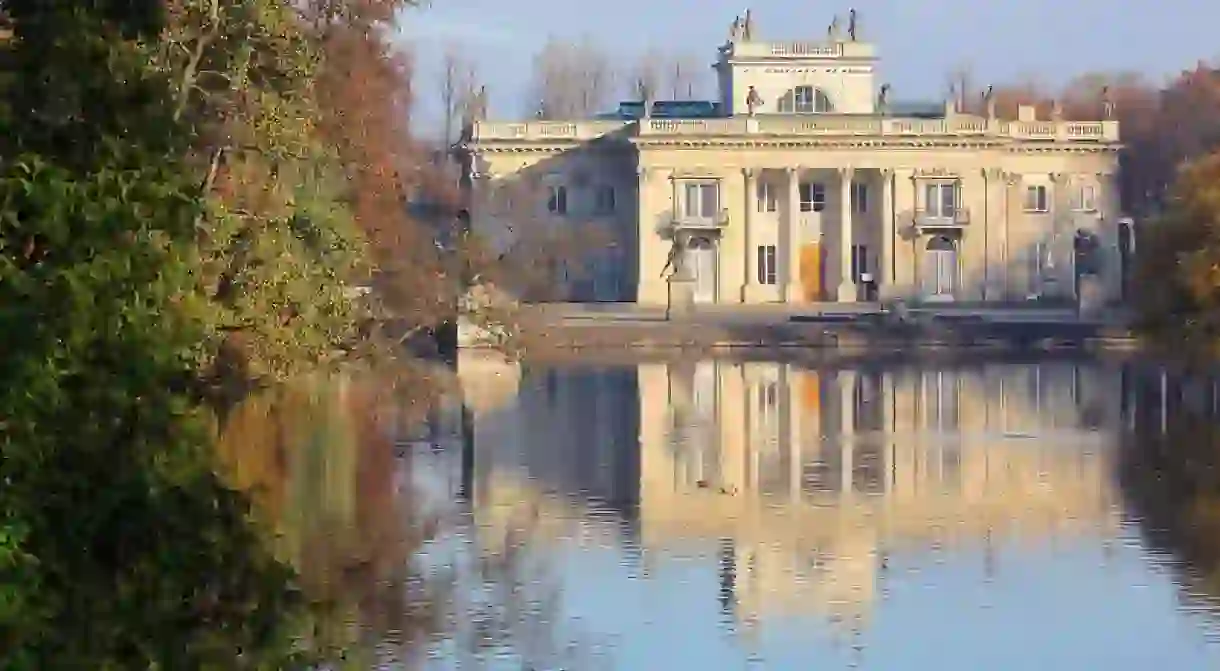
x,y
719,143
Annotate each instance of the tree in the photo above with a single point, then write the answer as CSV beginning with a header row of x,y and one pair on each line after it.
x,y
1179,272
685,76
570,80
457,84
190,190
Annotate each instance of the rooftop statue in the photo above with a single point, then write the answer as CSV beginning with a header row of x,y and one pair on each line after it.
x,y
753,101
1107,103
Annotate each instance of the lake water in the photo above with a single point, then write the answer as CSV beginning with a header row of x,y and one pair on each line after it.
x,y
730,514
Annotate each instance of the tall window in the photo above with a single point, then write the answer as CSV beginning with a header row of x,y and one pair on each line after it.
x,y
700,200
767,264
812,196
1036,198
1086,198
859,261
940,199
768,199
859,197
604,200
805,100
557,201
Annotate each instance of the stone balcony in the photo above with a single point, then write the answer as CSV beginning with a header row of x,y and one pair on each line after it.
x,y
527,131
868,126
694,224
803,126
926,220
798,50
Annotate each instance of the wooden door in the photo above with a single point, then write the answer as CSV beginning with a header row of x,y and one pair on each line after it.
x,y
811,271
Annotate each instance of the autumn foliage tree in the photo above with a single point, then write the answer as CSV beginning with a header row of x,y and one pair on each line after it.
x,y
190,190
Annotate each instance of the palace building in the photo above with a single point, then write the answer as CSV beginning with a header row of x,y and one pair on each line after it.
x,y
804,183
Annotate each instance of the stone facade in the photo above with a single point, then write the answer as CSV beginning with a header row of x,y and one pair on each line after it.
x,y
817,192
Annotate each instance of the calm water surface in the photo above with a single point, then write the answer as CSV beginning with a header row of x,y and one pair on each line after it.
x,y
743,514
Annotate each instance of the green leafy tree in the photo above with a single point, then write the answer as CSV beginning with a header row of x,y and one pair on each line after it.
x,y
1179,262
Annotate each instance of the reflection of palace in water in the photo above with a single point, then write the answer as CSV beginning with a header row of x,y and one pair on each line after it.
x,y
806,479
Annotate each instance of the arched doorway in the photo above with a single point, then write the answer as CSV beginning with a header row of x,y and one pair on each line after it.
x,y
940,268
701,255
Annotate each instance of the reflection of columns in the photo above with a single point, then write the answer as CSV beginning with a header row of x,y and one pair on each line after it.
x,y
847,429
790,433
847,285
750,263
889,230
789,249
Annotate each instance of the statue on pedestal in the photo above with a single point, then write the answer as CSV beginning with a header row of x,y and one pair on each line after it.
x,y
478,105
747,27
674,262
883,98
753,101
736,29
1056,111
1107,103
989,102
645,96
832,31
851,25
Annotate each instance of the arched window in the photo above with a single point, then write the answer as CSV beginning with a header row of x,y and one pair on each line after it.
x,y
941,243
805,100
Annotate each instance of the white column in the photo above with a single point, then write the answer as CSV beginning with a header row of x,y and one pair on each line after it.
x,y
885,273
790,240
847,285
751,255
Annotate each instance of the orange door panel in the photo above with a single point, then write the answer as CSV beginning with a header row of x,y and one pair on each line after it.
x,y
811,271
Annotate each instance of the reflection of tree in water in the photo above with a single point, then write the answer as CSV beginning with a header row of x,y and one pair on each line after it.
x,y
322,472
1171,482
319,459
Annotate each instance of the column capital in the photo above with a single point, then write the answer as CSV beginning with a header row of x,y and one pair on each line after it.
x,y
1059,177
888,172
992,173
749,173
847,171
1011,178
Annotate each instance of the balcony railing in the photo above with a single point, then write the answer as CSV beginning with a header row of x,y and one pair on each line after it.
x,y
934,219
717,222
811,125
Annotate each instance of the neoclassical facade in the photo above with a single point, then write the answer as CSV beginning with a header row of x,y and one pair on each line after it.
x,y
802,183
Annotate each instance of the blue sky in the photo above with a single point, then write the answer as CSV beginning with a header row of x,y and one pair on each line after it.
x,y
920,40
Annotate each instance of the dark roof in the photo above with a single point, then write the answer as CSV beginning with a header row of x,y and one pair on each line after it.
x,y
702,109
666,109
